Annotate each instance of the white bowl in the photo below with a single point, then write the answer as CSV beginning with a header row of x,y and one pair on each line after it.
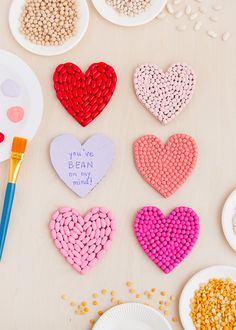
x,y
132,316
112,15
14,23
194,284
229,210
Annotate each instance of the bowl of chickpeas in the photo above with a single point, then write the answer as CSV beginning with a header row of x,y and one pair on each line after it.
x,y
48,27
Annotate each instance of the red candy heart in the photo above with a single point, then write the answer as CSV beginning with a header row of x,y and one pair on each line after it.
x,y
84,95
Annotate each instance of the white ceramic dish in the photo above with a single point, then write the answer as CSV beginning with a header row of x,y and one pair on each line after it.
x,y
30,99
229,210
112,15
194,283
132,316
14,22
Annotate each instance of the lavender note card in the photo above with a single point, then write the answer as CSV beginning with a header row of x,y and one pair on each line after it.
x,y
81,166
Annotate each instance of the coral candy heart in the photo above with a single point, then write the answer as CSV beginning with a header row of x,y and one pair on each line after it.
x,y
166,240
164,94
165,166
83,241
84,95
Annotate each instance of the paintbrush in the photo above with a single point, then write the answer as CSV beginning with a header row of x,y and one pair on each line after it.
x,y
17,155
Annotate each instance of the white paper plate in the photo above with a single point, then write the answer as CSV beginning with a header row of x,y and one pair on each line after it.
x,y
14,22
112,15
229,210
30,99
132,316
194,283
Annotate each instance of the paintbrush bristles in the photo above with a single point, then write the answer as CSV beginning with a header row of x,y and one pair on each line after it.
x,y
19,144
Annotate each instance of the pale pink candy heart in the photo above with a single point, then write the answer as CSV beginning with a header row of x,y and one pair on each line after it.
x,y
164,94
83,241
166,240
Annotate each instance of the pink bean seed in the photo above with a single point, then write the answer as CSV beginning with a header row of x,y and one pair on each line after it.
x,y
91,257
58,244
55,215
54,234
100,254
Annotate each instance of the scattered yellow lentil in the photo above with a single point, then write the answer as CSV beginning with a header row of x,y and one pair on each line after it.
x,y
95,295
104,292
214,305
161,308
92,321
167,303
100,313
163,293
161,302
154,290
84,303
95,302
119,302
64,297
129,284
86,309
146,292
138,295
172,298
132,290
113,300
150,296
174,319
113,293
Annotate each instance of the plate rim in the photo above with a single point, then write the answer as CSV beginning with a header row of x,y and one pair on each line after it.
x,y
182,310
131,24
223,219
38,49
110,310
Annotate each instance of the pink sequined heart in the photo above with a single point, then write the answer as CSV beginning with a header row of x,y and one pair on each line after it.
x,y
164,94
166,240
83,241
165,166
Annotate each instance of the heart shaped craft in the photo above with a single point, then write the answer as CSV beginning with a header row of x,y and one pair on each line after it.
x,y
81,167
166,241
83,241
165,166
164,94
84,95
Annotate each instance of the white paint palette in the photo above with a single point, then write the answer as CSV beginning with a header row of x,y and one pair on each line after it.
x,y
21,101
228,213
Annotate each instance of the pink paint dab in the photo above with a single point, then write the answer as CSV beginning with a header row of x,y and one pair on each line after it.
x,y
15,114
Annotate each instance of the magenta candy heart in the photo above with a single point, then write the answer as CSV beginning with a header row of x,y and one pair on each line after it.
x,y
167,240
164,94
82,241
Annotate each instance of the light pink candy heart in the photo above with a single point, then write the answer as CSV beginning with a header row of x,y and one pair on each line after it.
x,y
83,241
164,94
166,240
